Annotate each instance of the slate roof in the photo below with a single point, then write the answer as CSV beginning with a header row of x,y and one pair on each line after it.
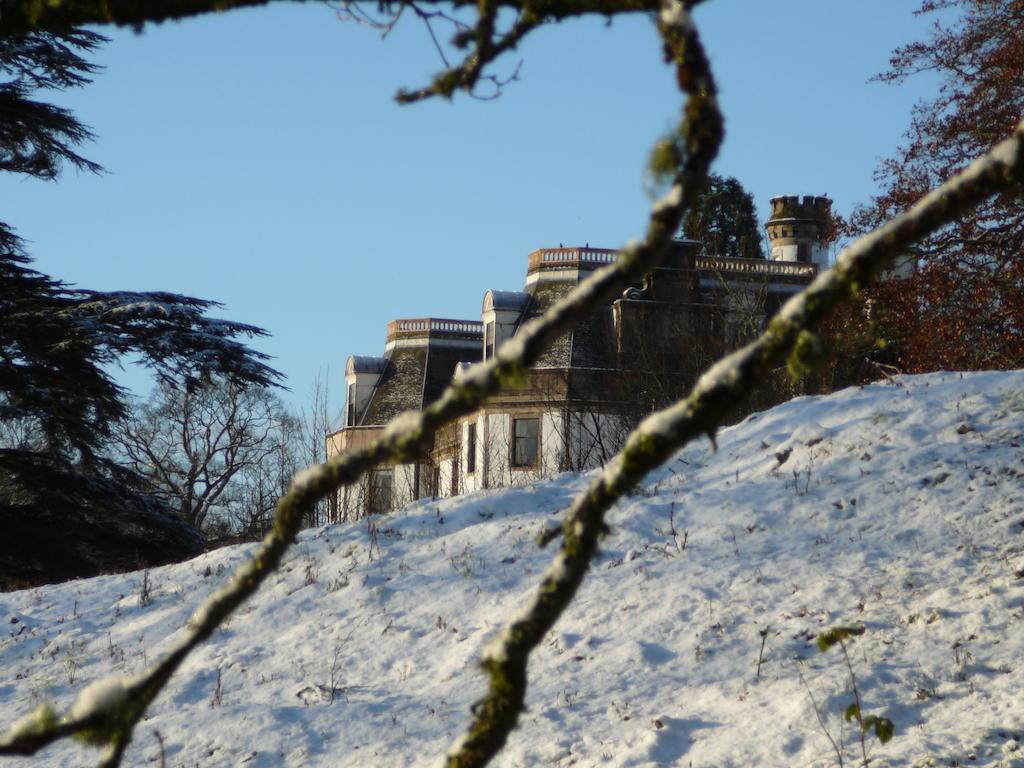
x,y
400,387
417,370
426,352
542,296
440,370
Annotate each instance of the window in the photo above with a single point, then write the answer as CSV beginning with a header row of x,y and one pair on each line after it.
x,y
524,442
424,480
489,341
471,448
381,484
350,419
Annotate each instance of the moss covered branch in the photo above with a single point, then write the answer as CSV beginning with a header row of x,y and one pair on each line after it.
x,y
107,712
691,152
409,434
723,387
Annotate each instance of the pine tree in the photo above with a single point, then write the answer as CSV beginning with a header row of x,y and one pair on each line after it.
x,y
64,504
725,221
37,138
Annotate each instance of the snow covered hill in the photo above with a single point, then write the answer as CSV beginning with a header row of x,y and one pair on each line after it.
x,y
898,507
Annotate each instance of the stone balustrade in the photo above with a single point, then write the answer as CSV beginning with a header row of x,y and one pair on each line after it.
x,y
421,326
790,269
570,257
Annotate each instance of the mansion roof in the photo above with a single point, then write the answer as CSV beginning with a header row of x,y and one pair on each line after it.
x,y
421,355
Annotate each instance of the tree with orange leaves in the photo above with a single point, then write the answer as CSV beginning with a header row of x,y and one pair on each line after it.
x,y
963,308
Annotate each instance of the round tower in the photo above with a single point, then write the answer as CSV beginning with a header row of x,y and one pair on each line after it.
x,y
798,228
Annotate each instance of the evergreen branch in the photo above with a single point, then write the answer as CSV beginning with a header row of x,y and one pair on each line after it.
x,y
20,16
108,711
408,434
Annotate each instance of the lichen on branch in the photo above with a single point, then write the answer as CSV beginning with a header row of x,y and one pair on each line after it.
x,y
718,391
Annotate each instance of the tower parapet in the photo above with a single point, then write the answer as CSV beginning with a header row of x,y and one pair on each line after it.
x,y
798,228
421,331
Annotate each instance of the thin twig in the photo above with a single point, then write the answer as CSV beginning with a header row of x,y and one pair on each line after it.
x,y
760,653
718,391
821,720
858,715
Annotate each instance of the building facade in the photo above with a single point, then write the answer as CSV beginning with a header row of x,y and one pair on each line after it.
x,y
637,353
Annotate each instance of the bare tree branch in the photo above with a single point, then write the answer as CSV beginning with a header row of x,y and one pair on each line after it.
x,y
108,711
20,16
505,663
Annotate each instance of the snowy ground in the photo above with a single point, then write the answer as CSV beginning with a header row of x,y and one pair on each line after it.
x,y
897,507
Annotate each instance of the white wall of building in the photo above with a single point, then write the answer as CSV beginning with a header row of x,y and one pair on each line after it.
x,y
353,500
586,441
790,252
552,443
496,449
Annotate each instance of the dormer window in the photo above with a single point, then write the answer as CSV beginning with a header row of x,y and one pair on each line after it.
x,y
489,340
350,416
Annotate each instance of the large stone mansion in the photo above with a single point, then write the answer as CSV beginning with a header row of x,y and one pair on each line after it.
x,y
639,352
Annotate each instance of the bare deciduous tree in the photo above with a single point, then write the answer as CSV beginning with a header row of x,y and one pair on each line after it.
x,y
683,160
217,452
317,421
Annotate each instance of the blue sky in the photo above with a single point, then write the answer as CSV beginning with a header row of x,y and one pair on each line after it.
x,y
258,158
